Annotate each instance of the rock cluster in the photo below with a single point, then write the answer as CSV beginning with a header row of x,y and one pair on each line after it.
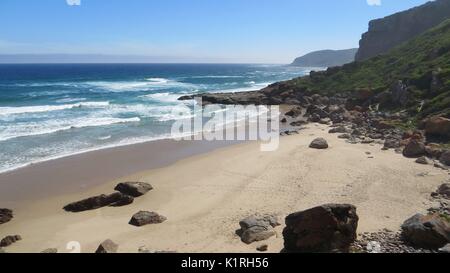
x,y
257,228
384,242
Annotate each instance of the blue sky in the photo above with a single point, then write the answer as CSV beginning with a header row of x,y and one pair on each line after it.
x,y
257,31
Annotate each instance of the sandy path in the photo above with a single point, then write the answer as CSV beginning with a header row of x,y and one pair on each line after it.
x,y
205,196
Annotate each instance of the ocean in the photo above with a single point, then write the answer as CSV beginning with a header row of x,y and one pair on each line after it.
x,y
54,110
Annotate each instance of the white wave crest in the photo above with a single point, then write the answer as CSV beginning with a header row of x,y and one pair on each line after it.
x,y
49,108
48,127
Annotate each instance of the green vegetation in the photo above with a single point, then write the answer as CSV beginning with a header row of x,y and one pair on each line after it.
x,y
422,63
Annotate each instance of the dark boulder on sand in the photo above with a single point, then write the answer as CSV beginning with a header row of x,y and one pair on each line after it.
x,y
327,228
116,199
426,231
143,218
134,189
107,246
9,240
445,158
5,215
414,148
319,143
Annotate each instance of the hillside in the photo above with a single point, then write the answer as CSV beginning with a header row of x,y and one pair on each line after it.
x,y
422,64
386,33
326,58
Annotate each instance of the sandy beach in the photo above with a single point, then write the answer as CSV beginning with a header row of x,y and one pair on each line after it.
x,y
205,194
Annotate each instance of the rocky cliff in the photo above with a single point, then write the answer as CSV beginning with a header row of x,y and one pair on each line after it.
x,y
384,34
326,58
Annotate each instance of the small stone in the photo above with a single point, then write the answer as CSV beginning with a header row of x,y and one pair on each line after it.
x,y
143,218
319,143
422,160
263,248
50,251
143,249
107,246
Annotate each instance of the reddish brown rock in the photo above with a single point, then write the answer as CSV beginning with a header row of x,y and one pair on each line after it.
x,y
426,231
438,126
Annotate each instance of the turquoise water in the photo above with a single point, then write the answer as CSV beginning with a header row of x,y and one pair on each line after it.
x,y
49,111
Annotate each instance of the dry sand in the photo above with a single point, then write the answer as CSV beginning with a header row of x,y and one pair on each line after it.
x,y
205,196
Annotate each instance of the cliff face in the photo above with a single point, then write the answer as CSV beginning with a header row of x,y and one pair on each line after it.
x,y
391,31
326,58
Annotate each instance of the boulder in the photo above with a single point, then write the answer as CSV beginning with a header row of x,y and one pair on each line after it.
x,y
426,231
107,246
414,148
319,143
445,158
143,218
134,189
115,199
444,190
326,228
433,151
437,126
5,215
423,160
391,143
9,240
257,228
50,251
295,112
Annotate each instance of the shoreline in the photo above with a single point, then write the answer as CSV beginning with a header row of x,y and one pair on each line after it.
x,y
61,175
205,195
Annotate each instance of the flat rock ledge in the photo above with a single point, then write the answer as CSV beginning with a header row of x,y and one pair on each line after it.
x,y
143,218
116,199
257,228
